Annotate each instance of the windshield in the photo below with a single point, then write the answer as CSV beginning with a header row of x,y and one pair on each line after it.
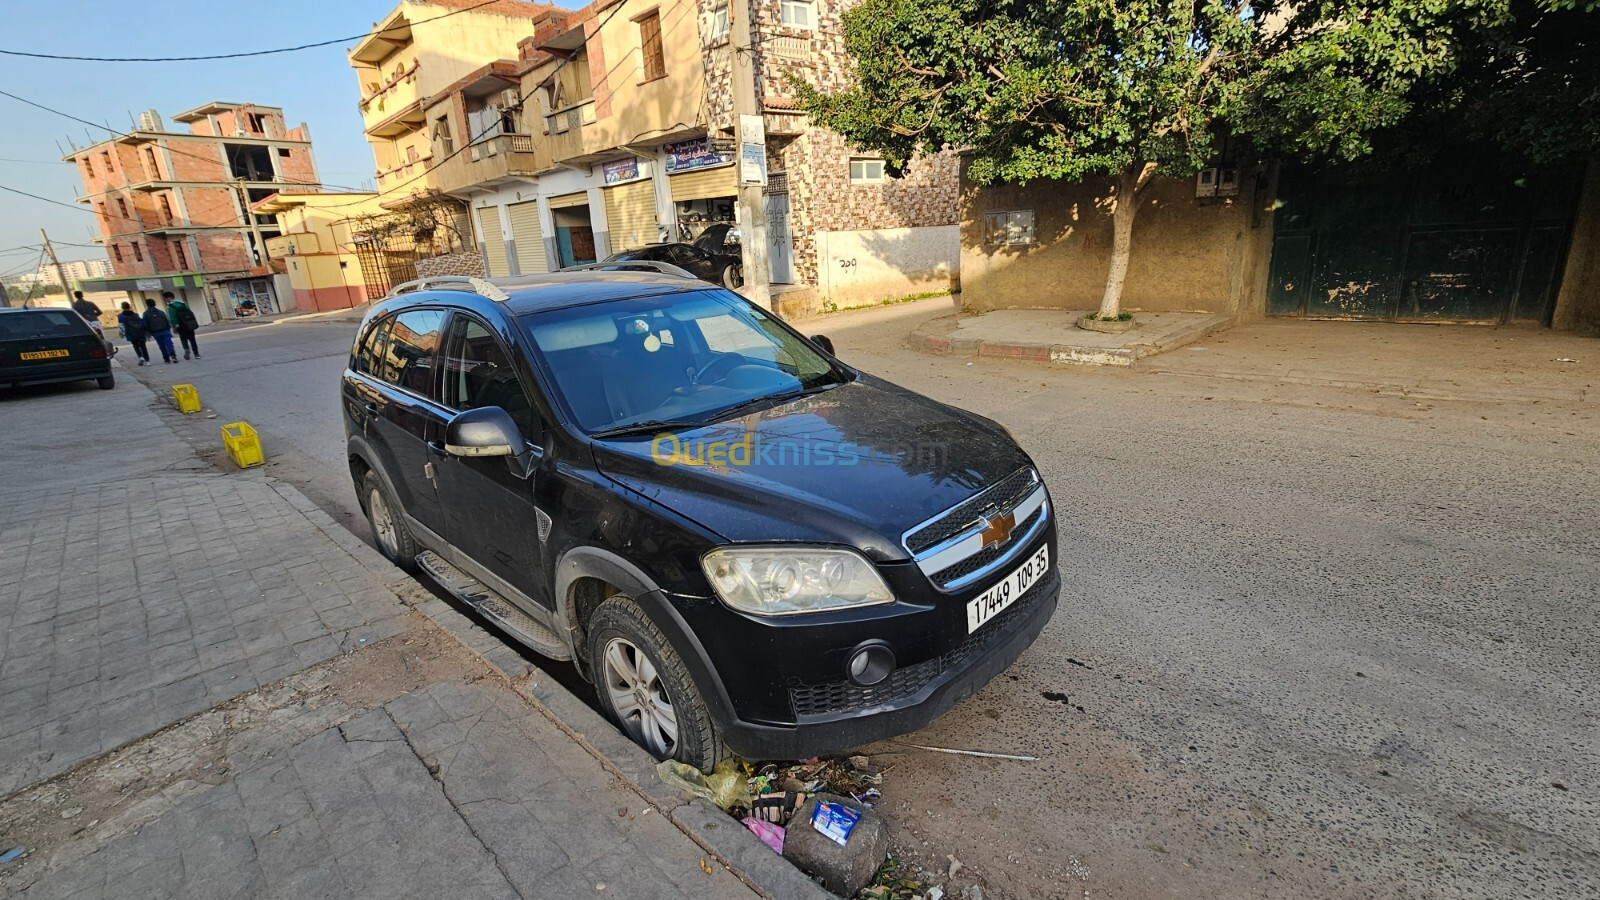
x,y
678,358
36,325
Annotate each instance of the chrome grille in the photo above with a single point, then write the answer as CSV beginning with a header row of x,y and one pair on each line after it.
x,y
1003,494
985,556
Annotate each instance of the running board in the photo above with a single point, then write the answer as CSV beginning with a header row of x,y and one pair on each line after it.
x,y
493,606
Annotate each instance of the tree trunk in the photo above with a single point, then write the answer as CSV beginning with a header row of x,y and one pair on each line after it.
x,y
1129,183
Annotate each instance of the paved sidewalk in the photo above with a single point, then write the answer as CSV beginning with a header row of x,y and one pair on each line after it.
x,y
1052,335
209,689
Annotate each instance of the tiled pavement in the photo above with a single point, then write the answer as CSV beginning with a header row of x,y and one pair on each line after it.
x,y
125,607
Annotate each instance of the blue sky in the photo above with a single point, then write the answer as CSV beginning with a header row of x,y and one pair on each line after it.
x,y
314,86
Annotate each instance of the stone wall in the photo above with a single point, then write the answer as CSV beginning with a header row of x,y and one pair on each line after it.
x,y
462,262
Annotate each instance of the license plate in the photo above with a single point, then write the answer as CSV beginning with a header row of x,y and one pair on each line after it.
x,y
44,354
992,602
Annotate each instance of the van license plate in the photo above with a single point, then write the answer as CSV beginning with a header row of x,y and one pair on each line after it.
x,y
44,354
992,602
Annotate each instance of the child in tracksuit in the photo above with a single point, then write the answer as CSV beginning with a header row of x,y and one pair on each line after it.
x,y
160,328
132,328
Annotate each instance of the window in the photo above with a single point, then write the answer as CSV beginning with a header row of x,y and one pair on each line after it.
x,y
181,257
106,158
719,27
166,209
116,252
283,152
369,358
797,13
866,171
122,208
138,254
1008,228
150,163
408,361
257,122
477,372
441,133
88,166
655,61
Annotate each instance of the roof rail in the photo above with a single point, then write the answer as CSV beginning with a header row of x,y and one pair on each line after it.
x,y
451,283
663,268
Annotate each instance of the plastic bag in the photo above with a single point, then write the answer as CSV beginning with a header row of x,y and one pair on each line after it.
x,y
770,834
725,786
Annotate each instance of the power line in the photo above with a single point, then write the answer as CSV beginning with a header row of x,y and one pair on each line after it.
x,y
329,42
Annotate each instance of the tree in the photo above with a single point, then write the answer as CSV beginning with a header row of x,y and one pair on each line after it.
x,y
1067,89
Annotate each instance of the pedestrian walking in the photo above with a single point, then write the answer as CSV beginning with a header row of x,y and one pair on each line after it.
x,y
132,328
85,308
160,328
183,322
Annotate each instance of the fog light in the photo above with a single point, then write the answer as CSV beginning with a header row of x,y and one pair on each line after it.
x,y
870,664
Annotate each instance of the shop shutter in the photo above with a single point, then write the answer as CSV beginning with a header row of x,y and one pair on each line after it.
x,y
530,241
581,198
631,214
494,243
703,183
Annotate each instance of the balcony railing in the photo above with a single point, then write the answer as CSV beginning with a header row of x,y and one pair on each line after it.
x,y
492,159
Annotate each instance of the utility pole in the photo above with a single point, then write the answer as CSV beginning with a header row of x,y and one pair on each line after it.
x,y
747,111
61,276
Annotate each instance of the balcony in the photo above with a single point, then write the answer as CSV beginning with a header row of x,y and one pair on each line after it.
x,y
398,90
567,131
490,162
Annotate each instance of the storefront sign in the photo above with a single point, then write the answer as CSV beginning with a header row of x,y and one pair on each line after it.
x,y
753,164
685,156
621,170
147,284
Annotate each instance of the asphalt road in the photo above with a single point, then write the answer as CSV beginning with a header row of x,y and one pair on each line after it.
x,y
1313,641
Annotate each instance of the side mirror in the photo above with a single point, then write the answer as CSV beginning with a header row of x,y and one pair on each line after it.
x,y
825,342
485,431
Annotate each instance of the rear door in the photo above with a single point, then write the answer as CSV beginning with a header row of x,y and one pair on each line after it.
x,y
44,343
489,511
396,403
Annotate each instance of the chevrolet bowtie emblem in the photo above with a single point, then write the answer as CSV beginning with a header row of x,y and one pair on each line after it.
x,y
997,529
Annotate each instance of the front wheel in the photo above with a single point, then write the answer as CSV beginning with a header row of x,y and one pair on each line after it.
x,y
389,529
646,689
733,277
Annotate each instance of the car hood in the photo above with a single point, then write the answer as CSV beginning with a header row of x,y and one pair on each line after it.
x,y
859,464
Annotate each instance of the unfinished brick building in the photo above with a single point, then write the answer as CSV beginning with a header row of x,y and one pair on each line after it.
x,y
172,205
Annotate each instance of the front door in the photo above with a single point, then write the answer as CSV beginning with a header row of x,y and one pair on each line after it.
x,y
489,510
394,402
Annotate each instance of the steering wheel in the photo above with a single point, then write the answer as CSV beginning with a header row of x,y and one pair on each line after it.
x,y
729,360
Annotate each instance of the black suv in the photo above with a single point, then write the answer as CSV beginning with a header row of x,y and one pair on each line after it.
x,y
745,544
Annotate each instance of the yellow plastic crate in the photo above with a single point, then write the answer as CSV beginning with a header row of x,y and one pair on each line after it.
x,y
187,397
243,444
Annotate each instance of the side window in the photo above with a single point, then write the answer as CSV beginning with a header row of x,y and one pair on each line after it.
x,y
369,357
477,372
408,361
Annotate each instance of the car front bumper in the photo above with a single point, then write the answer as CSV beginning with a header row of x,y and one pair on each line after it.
x,y
935,686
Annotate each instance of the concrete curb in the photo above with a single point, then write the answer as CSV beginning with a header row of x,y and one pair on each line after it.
x,y
939,336
1397,389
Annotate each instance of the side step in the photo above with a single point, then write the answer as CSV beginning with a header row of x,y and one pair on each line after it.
x,y
493,606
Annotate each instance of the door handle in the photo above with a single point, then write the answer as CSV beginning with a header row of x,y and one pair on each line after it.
x,y
372,409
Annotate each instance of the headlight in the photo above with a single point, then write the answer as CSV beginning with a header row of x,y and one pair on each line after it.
x,y
786,581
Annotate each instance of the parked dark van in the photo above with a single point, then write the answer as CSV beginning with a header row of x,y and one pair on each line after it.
x,y
746,544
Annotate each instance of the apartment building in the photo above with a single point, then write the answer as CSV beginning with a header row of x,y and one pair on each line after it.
x,y
173,206
320,248
613,127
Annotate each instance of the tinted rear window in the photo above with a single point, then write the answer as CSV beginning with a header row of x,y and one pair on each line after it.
x,y
53,323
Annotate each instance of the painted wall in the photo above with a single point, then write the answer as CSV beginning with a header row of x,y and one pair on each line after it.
x,y
1186,255
863,267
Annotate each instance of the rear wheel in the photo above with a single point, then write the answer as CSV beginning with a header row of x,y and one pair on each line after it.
x,y
106,382
733,277
389,529
646,689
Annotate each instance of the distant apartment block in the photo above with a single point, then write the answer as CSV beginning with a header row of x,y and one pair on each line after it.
x,y
173,206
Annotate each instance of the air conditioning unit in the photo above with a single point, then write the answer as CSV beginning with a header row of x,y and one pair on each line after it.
x,y
509,98
1217,181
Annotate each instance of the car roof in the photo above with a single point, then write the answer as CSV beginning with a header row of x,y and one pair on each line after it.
x,y
527,294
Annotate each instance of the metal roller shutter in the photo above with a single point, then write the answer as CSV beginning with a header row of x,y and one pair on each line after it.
x,y
530,241
631,214
581,198
494,243
702,183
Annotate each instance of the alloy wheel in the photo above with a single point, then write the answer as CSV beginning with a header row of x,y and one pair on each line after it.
x,y
383,524
639,697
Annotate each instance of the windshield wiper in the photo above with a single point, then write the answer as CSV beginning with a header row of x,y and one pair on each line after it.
x,y
646,427
770,399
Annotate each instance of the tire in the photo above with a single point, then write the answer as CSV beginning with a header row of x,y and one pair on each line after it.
x,y
389,532
619,635
733,277
106,382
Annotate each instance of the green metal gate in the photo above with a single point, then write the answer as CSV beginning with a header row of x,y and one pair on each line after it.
x,y
1464,239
